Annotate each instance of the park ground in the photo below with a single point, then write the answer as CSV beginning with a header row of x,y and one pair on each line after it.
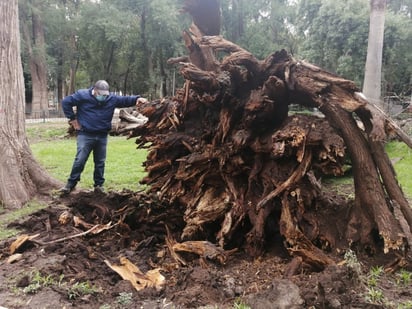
x,y
64,267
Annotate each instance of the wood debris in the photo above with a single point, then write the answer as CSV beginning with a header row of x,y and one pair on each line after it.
x,y
229,150
130,272
20,241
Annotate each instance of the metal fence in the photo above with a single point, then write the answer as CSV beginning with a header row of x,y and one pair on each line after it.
x,y
45,116
395,105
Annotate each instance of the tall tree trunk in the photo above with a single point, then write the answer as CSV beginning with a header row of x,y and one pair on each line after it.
x,y
110,61
33,32
373,66
21,177
147,67
238,27
163,76
59,83
74,63
131,59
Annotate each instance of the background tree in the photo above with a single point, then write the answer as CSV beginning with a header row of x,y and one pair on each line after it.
x,y
401,6
262,26
373,67
21,177
334,35
159,40
131,48
34,38
62,21
397,56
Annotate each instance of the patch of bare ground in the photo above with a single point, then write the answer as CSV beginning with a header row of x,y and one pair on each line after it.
x,y
67,266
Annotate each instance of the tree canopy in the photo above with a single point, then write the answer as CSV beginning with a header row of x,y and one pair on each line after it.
x,y
128,42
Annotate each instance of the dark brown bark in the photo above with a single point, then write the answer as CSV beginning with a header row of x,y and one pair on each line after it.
x,y
337,98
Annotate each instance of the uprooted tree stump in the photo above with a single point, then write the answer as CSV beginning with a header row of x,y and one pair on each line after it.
x,y
226,149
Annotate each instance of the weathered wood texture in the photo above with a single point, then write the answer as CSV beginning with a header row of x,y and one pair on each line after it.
x,y
248,173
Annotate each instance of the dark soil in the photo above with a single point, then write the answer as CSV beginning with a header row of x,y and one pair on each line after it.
x,y
140,237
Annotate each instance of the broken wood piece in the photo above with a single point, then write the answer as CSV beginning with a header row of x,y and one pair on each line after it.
x,y
139,119
80,222
65,217
130,272
301,171
382,122
14,258
170,242
298,244
22,239
96,229
205,250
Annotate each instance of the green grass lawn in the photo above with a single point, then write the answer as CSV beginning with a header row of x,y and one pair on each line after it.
x,y
124,162
56,154
7,217
124,165
401,156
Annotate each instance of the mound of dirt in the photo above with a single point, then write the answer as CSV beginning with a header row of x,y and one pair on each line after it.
x,y
79,236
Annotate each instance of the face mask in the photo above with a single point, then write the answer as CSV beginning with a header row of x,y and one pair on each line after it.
x,y
101,98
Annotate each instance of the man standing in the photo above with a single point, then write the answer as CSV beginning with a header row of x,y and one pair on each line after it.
x,y
92,120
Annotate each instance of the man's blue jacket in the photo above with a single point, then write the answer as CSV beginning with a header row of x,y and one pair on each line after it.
x,y
92,115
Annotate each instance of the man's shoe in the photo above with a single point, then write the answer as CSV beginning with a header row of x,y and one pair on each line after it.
x,y
66,189
98,189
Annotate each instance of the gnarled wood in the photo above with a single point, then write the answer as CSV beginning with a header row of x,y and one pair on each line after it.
x,y
248,173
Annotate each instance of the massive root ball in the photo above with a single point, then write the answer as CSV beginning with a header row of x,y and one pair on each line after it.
x,y
248,172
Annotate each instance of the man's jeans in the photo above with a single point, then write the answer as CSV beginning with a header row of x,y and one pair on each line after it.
x,y
86,143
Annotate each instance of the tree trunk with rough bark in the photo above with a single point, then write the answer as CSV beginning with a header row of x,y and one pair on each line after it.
x,y
33,34
21,177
